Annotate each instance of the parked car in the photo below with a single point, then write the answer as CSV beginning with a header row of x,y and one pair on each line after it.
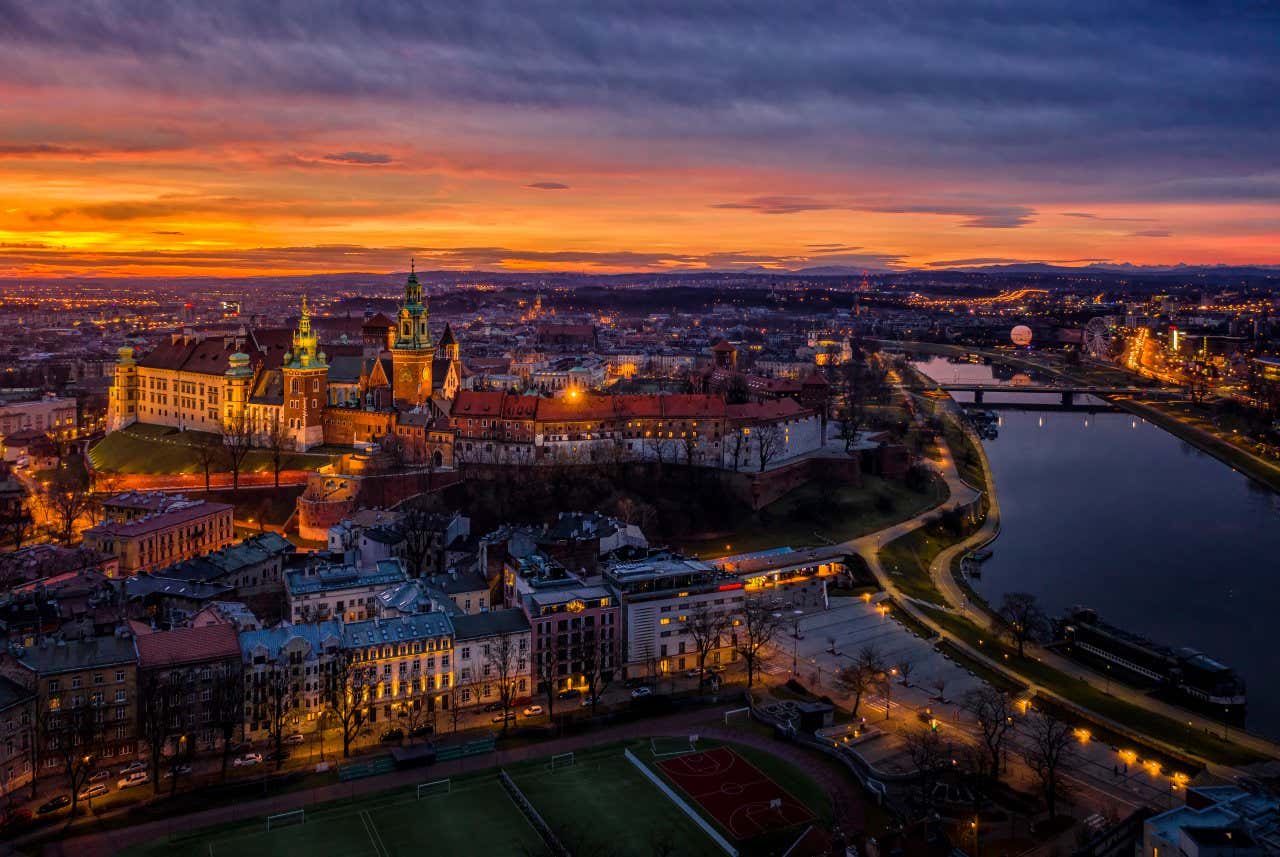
x,y
499,717
93,791
295,738
421,731
643,690
395,734
571,693
532,710
693,673
588,701
493,706
54,804
180,770
137,778
133,767
247,760
100,776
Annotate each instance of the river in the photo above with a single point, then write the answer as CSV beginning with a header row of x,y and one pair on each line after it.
x,y
1106,510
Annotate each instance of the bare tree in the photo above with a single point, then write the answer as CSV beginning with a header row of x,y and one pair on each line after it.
x,y
346,684
67,500
75,737
737,441
706,626
277,443
928,754
15,524
866,672
544,666
237,443
769,443
207,452
159,704
1022,620
596,655
939,685
501,664
994,711
280,702
905,669
226,708
760,627
417,525
1050,748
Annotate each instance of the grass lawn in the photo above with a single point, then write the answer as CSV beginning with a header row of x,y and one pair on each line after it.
x,y
906,560
1159,727
475,817
816,514
148,449
603,803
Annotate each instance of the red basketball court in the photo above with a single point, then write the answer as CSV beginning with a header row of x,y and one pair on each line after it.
x,y
737,794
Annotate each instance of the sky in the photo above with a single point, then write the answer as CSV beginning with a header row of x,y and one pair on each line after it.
x,y
247,137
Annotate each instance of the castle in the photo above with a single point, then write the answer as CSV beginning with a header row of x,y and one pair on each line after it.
x,y
394,380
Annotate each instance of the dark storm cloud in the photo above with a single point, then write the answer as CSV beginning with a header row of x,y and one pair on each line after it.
x,y
548,186
358,158
1031,86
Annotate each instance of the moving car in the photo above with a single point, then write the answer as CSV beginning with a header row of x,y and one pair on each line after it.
x,y
137,778
247,760
54,804
532,710
93,791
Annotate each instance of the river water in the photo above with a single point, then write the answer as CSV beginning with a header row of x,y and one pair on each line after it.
x,y
1106,510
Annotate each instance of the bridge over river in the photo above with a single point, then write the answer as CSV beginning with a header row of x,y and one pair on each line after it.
x,y
1067,391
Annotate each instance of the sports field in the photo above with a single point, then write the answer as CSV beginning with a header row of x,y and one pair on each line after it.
x,y
728,788
594,802
475,817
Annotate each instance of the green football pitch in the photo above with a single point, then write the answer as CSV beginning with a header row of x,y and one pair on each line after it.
x,y
599,802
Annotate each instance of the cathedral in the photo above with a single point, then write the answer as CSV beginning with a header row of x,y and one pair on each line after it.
x,y
281,386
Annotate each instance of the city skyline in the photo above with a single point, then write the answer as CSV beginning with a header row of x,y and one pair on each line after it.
x,y
238,141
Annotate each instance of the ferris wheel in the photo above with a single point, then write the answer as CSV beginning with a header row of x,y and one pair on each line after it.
x,y
1097,337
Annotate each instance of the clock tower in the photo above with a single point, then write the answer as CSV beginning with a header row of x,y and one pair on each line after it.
x,y
412,352
305,375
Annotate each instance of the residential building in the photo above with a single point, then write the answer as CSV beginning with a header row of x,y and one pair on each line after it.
x,y
661,595
252,566
490,647
576,631
342,592
285,674
49,414
180,530
201,667
1216,821
17,736
85,695
407,664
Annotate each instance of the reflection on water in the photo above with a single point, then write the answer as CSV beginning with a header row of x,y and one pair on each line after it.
x,y
1109,511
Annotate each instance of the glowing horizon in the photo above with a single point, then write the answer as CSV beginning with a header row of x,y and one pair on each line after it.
x,y
236,141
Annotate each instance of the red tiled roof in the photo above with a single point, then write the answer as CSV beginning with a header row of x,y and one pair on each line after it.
x,y
775,409
187,645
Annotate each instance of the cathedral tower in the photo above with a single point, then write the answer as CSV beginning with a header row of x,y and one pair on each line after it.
x,y
306,381
412,352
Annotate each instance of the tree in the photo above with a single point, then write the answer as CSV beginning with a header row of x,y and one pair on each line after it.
x,y
769,442
237,443
905,669
277,443
928,754
595,654
159,708
66,499
738,441
417,525
759,627
939,684
502,658
851,411
75,737
1022,619
226,708
866,671
1050,747
345,687
279,698
706,626
994,711
207,453
545,675
15,524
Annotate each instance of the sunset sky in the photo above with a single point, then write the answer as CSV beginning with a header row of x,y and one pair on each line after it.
x,y
240,138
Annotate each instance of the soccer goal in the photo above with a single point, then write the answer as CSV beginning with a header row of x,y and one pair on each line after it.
x,y
286,819
661,746
435,787
561,760
736,712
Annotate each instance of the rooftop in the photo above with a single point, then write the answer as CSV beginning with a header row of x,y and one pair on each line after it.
x,y
188,645
403,628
